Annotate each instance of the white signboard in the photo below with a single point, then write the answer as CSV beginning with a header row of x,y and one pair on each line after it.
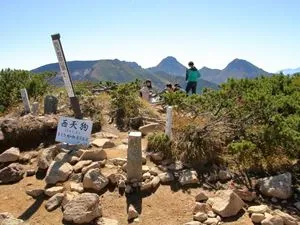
x,y
25,100
74,131
63,67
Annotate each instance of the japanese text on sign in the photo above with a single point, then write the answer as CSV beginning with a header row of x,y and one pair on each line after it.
x,y
74,131
63,68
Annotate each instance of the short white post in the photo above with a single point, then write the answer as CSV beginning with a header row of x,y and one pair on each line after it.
x,y
134,157
35,108
25,100
168,130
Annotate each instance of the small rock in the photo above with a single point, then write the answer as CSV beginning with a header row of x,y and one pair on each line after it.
x,y
68,197
10,155
272,220
246,195
78,167
188,177
211,221
277,186
287,219
212,178
30,172
76,177
25,157
128,189
54,190
54,202
145,169
226,203
83,209
78,187
118,161
257,217
46,157
146,187
201,197
297,205
224,175
35,192
149,128
200,216
58,172
103,143
94,155
157,156
132,213
193,223
121,184
146,175
166,177
211,214
13,221
274,200
201,207
93,165
154,171
11,174
177,165
155,182
94,180
261,209
67,157
162,168
106,221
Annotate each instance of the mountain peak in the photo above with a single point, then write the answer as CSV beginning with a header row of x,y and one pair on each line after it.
x,y
171,66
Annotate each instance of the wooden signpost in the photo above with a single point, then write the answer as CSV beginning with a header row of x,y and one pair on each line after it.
x,y
66,75
25,100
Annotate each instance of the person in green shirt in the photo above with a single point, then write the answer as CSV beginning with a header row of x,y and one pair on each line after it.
x,y
192,76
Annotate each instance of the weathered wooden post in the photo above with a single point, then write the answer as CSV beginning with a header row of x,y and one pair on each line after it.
x,y
25,100
168,129
134,156
35,108
66,75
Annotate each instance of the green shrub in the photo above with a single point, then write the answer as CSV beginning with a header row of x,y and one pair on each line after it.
x,y
159,142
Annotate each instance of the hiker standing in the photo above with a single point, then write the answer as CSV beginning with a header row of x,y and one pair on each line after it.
x,y
146,90
192,76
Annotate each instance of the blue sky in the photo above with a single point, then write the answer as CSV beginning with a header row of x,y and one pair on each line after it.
x,y
211,33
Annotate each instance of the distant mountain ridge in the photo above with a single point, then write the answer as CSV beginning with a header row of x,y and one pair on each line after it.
x,y
290,71
169,70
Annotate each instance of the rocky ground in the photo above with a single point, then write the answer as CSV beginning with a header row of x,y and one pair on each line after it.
x,y
54,185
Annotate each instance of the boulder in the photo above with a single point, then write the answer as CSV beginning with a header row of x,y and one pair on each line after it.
x,y
188,177
93,165
35,192
12,173
54,190
78,166
201,197
200,216
277,186
132,213
149,128
94,180
166,177
94,155
68,197
103,143
287,219
257,217
10,155
261,209
54,202
58,172
118,161
83,209
272,220
226,203
46,157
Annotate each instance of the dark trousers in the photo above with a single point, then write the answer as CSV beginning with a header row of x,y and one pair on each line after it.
x,y
191,85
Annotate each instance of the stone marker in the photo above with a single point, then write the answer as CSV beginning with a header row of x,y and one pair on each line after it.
x,y
50,104
168,130
134,156
35,109
25,100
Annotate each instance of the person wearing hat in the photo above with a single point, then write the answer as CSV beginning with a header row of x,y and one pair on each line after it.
x,y
192,76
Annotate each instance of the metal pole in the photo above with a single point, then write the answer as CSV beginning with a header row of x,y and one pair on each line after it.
x,y
66,75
